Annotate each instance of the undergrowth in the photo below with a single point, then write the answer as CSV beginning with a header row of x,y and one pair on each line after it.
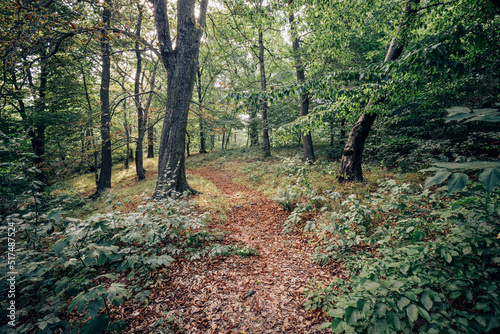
x,y
100,261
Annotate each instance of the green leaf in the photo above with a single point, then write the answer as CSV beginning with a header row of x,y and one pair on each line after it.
x,y
424,314
59,246
372,286
426,301
438,178
338,325
481,306
457,110
403,302
457,182
490,179
447,257
351,316
467,165
380,310
467,250
412,312
98,324
325,325
393,320
381,326
336,313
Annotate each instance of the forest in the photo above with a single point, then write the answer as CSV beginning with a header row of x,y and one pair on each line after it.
x,y
250,166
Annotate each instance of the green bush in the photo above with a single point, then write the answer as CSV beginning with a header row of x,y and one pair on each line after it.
x,y
426,269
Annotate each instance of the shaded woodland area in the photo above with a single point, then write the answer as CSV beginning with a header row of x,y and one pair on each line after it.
x,y
250,166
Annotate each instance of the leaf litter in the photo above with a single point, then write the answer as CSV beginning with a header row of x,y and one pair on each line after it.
x,y
254,294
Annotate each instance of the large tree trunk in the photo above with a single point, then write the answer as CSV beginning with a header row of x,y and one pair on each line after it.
x,y
352,156
181,65
106,161
141,121
266,145
307,145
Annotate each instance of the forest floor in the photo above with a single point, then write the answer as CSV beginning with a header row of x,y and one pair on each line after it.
x,y
263,293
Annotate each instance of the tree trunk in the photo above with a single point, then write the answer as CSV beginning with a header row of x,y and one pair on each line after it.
x,y
308,149
151,136
223,138
37,132
106,160
188,144
266,145
127,143
350,164
200,116
141,122
181,65
227,138
150,127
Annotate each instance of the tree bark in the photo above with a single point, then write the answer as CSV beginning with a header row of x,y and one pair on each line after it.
x,y
188,144
151,137
150,127
181,64
352,156
266,145
200,116
141,122
127,139
307,145
106,159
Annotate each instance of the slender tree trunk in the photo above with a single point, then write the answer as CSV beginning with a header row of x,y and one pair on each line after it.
x,y
89,132
253,131
188,143
106,159
200,116
181,65
332,133
127,143
37,131
307,145
266,145
227,137
141,122
350,164
150,127
223,138
151,147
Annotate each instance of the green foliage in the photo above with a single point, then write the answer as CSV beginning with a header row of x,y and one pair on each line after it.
x,y
101,261
490,176
412,269
287,199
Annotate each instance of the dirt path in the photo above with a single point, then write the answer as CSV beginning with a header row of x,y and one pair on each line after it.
x,y
256,294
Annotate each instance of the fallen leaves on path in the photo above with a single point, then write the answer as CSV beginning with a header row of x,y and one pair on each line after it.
x,y
256,294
